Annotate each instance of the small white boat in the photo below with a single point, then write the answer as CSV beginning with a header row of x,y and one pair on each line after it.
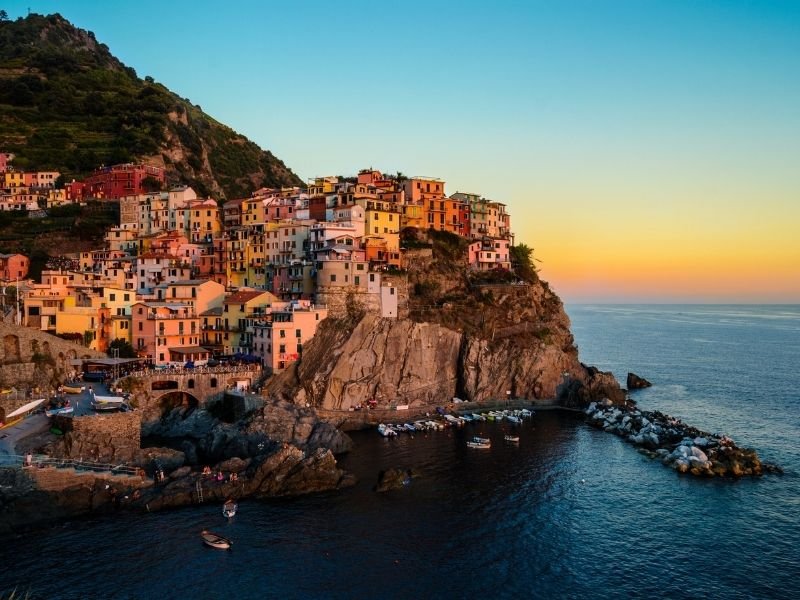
x,y
514,439
474,444
386,431
477,417
108,403
526,413
467,418
409,427
452,420
64,410
215,541
229,508
513,419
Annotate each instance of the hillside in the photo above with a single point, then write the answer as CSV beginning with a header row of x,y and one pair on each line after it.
x,y
67,104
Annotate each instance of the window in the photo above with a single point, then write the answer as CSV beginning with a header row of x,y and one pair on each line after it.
x,y
333,277
297,333
127,297
282,349
391,291
112,297
213,382
283,333
140,326
357,280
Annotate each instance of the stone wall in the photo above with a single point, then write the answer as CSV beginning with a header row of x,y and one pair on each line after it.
x,y
338,298
30,358
104,437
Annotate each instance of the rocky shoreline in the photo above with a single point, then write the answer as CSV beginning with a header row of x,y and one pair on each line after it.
x,y
682,447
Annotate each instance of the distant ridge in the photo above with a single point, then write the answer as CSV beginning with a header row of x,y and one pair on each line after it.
x,y
67,104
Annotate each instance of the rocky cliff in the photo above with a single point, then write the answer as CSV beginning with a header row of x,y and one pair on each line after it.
x,y
465,336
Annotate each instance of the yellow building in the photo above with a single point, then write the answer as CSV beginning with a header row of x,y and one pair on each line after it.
x,y
239,312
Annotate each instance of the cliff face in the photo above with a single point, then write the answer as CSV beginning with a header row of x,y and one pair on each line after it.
x,y
473,341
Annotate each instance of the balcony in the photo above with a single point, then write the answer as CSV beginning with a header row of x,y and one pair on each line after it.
x,y
155,317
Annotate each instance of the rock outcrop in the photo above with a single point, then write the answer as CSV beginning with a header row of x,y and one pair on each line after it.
x,y
634,382
496,341
678,445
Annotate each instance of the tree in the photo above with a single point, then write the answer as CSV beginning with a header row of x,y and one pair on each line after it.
x,y
151,184
522,262
124,347
3,15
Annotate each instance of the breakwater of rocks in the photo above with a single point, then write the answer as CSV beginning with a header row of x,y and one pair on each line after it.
x,y
678,445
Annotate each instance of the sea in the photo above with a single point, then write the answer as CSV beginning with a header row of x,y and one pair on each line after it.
x,y
569,512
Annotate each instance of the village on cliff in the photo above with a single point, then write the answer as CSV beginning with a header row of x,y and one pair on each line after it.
x,y
184,279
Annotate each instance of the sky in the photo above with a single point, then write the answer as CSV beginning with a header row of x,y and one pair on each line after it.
x,y
647,151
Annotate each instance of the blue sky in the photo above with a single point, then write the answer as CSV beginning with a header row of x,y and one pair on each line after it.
x,y
624,136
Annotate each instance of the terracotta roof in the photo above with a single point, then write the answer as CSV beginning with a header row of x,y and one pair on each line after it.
x,y
244,296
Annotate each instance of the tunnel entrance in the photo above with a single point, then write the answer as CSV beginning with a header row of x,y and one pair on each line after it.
x,y
177,400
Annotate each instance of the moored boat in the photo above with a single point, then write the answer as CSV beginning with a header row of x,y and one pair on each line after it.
x,y
229,508
214,540
513,419
481,440
64,410
474,444
108,403
386,431
514,439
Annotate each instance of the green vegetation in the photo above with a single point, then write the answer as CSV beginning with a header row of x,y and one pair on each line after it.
x,y
522,262
63,226
67,104
124,347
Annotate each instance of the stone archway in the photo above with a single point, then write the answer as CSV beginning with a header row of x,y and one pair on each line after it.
x,y
176,399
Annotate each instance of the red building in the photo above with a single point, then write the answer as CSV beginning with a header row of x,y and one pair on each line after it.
x,y
121,180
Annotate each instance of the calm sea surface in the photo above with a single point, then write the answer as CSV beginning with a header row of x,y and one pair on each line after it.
x,y
570,513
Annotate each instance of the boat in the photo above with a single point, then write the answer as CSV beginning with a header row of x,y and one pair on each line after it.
x,y
229,508
474,444
513,419
481,440
64,410
514,439
108,403
477,417
215,541
526,413
386,431
72,389
453,420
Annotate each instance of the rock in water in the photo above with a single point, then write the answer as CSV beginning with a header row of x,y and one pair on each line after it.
x,y
637,383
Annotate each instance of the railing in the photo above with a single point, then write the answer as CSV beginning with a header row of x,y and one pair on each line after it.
x,y
43,461
195,370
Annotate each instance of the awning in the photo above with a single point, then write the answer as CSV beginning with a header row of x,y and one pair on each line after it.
x,y
24,408
189,350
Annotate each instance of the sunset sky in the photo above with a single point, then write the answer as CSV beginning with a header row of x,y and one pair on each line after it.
x,y
648,151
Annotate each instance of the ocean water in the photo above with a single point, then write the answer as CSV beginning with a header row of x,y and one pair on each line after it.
x,y
571,512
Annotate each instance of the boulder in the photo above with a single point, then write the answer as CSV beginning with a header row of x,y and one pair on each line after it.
x,y
393,479
634,382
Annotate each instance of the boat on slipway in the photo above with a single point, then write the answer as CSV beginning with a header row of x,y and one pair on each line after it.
x,y
108,403
213,540
62,410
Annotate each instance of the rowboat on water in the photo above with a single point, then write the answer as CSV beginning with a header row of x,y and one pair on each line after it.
x,y
472,444
514,439
215,541
229,508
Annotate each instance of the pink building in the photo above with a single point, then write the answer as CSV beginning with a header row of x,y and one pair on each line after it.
x,y
167,333
13,266
279,341
488,254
